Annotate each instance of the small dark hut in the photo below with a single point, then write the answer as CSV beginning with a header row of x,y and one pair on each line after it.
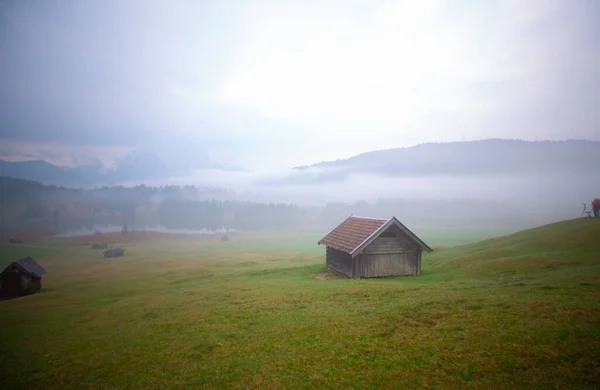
x,y
114,252
224,238
367,247
22,277
15,241
99,245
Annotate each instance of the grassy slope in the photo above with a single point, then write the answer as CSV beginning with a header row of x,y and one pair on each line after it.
x,y
517,311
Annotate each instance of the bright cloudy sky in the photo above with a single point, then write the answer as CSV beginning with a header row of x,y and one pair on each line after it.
x,y
263,84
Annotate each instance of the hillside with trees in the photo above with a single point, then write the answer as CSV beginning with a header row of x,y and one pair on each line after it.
x,y
33,207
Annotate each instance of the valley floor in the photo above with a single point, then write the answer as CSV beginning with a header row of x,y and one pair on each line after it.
x,y
518,311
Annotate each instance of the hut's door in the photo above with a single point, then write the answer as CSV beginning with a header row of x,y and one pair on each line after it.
x,y
11,285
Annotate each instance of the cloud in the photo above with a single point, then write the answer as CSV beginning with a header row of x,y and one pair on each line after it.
x,y
264,83
445,71
311,69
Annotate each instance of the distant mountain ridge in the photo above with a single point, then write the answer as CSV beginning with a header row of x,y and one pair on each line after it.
x,y
469,158
491,156
39,171
136,166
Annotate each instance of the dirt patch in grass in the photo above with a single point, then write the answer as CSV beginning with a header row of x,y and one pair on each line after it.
x,y
330,275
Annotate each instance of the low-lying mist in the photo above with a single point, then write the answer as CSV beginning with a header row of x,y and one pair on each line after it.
x,y
217,201
87,231
561,194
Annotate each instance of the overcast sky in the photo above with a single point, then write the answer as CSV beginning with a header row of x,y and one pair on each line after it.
x,y
263,84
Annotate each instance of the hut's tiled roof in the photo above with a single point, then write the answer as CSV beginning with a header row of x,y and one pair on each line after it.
x,y
27,265
31,266
352,232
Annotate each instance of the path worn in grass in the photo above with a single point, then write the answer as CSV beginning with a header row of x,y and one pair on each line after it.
x,y
180,312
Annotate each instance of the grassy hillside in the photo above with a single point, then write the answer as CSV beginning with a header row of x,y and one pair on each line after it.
x,y
179,312
558,253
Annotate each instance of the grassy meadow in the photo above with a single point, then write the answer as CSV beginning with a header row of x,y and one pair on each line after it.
x,y
517,311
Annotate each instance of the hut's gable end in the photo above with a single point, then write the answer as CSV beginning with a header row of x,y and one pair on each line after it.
x,y
12,268
391,253
392,240
407,237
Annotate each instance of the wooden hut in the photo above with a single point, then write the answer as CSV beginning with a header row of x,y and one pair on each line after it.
x,y
22,277
367,247
115,252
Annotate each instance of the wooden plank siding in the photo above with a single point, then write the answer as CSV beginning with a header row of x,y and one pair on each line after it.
x,y
339,261
389,256
393,264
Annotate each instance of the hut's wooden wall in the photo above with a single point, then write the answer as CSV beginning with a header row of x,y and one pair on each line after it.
x,y
25,282
15,283
339,261
389,256
393,264
11,285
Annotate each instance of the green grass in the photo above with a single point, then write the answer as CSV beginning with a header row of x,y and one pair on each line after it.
x,y
519,311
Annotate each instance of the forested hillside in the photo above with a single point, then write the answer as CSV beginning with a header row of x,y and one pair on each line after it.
x,y
33,207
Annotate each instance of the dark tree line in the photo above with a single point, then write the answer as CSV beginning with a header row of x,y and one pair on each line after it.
x,y
30,206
